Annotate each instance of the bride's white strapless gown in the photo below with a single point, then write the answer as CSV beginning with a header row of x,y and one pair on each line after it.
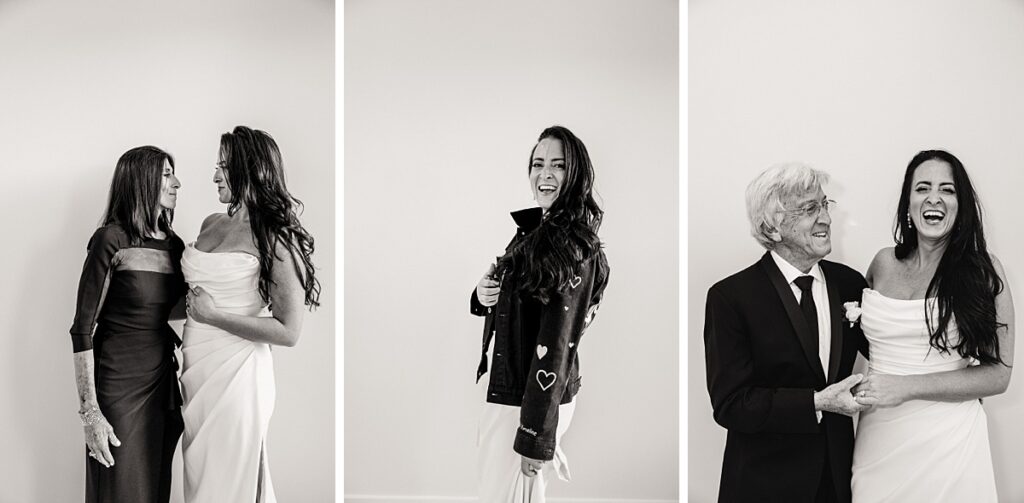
x,y
228,387
919,451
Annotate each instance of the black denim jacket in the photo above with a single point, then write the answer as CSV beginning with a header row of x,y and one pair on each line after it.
x,y
535,364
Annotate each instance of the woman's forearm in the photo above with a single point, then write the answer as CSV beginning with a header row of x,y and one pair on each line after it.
x,y
85,380
961,385
268,330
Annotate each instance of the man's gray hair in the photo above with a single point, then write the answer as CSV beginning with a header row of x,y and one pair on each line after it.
x,y
766,193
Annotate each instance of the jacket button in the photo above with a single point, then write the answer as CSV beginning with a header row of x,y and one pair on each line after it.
x,y
566,308
488,309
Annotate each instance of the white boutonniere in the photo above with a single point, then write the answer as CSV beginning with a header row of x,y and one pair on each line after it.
x,y
852,311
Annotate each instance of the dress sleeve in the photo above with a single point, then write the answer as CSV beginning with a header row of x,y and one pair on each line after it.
x,y
92,287
562,322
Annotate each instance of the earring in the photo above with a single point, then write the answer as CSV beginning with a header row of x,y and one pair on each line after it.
x,y
910,223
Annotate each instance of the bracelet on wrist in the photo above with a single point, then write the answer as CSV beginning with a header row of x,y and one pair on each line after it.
x,y
90,416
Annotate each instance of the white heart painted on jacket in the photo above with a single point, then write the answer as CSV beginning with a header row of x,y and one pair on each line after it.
x,y
541,351
571,344
550,376
575,282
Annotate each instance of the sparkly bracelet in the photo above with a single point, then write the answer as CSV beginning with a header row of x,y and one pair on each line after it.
x,y
91,416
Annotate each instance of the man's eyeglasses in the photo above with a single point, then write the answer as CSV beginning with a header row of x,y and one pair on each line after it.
x,y
812,209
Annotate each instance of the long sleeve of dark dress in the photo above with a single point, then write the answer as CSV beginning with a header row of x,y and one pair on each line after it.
x,y
125,297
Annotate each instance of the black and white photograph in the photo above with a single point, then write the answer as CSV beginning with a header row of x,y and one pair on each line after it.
x,y
169,206
853,251
511,251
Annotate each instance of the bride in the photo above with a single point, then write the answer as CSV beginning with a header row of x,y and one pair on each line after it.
x,y
939,321
250,275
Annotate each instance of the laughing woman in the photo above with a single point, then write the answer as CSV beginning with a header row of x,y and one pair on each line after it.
x,y
537,300
939,319
124,348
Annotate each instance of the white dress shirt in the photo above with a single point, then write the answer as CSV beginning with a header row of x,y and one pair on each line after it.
x,y
820,295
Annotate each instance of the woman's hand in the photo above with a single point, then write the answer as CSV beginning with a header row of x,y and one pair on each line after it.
x,y
530,466
99,436
488,288
199,305
881,390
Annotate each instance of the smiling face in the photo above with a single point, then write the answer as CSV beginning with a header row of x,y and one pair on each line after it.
x,y
803,239
547,172
933,201
169,186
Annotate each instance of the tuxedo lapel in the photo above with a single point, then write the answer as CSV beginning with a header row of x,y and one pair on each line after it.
x,y
835,307
808,341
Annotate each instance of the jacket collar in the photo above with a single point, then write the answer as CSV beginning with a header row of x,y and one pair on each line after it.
x,y
528,219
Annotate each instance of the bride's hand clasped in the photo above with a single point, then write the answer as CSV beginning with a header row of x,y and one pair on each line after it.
x,y
881,390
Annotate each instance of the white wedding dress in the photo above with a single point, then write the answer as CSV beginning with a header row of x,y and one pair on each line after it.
x,y
228,387
919,451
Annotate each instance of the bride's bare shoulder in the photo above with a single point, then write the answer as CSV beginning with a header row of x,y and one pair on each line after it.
x,y
212,220
884,263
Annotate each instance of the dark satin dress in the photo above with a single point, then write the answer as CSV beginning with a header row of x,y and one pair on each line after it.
x,y
127,292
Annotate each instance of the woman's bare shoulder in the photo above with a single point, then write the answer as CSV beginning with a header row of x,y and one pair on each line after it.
x,y
212,219
884,263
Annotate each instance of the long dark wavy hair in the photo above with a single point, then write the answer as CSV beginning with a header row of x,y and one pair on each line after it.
x,y
134,201
547,258
255,176
965,284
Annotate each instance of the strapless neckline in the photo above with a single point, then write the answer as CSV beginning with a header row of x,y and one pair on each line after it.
x,y
880,294
192,245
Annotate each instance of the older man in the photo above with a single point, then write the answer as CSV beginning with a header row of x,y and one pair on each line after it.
x,y
779,352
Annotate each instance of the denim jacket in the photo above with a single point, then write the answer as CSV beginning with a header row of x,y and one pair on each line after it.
x,y
535,364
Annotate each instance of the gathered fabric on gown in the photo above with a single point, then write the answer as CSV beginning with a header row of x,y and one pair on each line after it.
x,y
228,386
920,450
500,477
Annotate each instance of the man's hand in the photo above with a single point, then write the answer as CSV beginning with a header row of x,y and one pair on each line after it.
x,y
838,399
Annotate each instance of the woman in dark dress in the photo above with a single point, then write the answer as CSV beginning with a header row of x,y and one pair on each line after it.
x,y
537,301
125,367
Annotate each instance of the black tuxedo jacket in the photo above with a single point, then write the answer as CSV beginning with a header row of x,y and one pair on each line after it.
x,y
763,369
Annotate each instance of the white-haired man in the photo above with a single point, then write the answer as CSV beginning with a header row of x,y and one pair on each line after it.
x,y
779,352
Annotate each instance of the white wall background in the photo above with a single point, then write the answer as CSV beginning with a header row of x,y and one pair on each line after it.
x,y
443,102
82,82
856,89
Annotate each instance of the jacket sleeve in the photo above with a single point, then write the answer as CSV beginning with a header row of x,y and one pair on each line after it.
x,y
475,307
92,286
562,321
739,403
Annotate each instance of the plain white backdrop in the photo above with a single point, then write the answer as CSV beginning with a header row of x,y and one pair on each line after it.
x,y
855,89
82,82
443,102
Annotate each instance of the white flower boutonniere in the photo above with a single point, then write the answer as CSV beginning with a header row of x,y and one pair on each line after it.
x,y
852,312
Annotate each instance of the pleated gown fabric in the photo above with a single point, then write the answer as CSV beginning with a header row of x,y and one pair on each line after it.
x,y
921,450
228,386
